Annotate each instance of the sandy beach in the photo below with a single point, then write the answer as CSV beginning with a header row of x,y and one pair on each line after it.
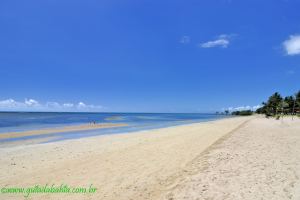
x,y
150,100
234,158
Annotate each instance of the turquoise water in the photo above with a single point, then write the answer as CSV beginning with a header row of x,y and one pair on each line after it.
x,y
22,121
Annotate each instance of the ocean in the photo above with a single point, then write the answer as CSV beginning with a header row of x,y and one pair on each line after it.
x,y
24,121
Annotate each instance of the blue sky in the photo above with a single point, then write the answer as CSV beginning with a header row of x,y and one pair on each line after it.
x,y
147,56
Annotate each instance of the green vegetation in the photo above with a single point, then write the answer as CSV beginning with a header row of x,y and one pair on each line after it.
x,y
242,112
276,105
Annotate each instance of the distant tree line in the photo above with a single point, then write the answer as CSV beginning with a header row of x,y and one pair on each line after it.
x,y
277,104
238,112
242,112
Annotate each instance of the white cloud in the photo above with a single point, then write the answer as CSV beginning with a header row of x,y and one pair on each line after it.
x,y
31,102
9,103
34,105
81,105
221,41
185,40
52,105
292,45
239,108
256,107
68,105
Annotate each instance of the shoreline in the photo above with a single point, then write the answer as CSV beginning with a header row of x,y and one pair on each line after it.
x,y
71,128
178,162
24,137
115,164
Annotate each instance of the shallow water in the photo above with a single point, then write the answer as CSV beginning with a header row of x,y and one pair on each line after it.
x,y
22,121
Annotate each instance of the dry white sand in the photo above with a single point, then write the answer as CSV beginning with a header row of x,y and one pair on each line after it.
x,y
255,158
261,160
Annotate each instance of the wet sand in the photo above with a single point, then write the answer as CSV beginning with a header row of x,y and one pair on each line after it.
x,y
82,127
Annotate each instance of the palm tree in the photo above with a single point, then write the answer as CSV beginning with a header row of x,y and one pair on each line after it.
x,y
274,103
289,102
298,100
296,106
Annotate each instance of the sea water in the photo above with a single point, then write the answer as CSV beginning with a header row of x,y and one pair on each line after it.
x,y
24,121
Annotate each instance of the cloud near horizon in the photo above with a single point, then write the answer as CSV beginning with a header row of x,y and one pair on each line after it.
x,y
34,105
222,41
292,45
240,108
